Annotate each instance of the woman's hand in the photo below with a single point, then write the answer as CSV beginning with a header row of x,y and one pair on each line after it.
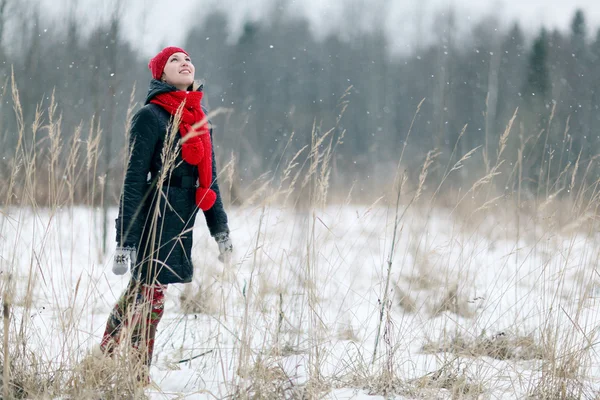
x,y
225,247
124,258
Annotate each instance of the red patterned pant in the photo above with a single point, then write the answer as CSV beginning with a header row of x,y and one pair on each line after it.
x,y
139,309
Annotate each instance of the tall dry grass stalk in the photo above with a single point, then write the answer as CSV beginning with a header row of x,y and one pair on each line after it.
x,y
401,178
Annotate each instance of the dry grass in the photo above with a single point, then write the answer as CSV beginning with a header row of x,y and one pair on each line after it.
x,y
454,302
199,299
501,346
97,376
265,379
564,370
404,300
455,382
269,330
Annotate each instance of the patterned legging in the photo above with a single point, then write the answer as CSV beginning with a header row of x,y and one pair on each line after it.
x,y
139,308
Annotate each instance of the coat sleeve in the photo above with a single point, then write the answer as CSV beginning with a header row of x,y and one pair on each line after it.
x,y
216,218
143,137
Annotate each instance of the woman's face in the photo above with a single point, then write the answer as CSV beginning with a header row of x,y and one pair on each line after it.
x,y
179,71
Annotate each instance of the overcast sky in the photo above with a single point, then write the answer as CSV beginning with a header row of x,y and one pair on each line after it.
x,y
150,24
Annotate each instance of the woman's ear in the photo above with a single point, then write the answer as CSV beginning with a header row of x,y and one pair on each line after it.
x,y
163,78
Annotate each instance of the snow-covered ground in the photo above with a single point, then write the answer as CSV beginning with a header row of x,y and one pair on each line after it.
x,y
482,301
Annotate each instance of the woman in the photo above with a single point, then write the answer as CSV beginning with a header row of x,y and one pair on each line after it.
x,y
168,178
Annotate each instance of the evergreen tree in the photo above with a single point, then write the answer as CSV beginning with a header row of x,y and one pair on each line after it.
x,y
535,113
537,84
594,82
579,96
578,31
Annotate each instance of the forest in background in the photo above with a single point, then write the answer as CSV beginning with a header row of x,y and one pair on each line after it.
x,y
278,80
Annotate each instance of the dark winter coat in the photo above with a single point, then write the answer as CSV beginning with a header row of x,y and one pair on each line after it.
x,y
160,225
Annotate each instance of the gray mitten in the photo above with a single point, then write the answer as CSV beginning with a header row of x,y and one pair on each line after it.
x,y
125,258
225,247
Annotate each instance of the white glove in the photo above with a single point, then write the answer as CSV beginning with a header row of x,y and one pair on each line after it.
x,y
225,247
124,259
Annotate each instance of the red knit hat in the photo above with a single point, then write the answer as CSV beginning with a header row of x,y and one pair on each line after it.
x,y
157,63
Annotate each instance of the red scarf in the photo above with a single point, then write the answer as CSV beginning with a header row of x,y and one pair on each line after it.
x,y
196,149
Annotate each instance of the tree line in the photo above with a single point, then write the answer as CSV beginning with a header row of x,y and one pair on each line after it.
x,y
277,84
